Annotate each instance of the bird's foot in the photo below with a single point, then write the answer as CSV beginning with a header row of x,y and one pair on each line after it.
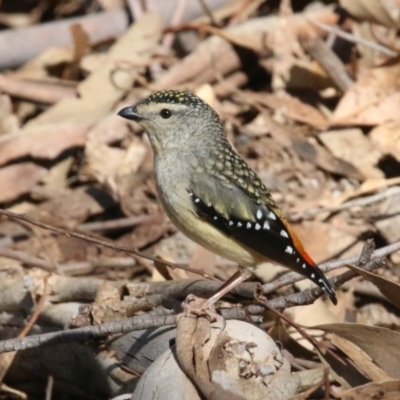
x,y
198,307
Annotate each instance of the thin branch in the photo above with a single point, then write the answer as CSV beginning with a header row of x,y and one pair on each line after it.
x,y
153,321
332,64
361,202
104,243
136,323
293,277
351,38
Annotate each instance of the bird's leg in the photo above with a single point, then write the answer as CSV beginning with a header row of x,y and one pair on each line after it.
x,y
240,276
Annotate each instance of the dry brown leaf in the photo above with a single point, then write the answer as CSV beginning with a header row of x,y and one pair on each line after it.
x,y
290,107
343,371
74,206
46,141
388,288
19,179
318,155
381,344
360,359
352,146
389,390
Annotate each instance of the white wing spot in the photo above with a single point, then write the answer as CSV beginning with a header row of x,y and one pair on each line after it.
x,y
284,234
258,227
289,250
239,224
266,225
304,265
259,214
215,218
312,276
248,226
230,223
320,281
298,260
271,215
197,200
191,194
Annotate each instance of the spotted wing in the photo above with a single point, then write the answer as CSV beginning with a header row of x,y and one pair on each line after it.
x,y
256,224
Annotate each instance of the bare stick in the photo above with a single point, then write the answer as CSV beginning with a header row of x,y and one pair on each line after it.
x,y
127,249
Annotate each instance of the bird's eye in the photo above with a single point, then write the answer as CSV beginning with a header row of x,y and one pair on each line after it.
x,y
165,113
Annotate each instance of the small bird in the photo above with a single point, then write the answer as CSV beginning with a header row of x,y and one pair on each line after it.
x,y
211,194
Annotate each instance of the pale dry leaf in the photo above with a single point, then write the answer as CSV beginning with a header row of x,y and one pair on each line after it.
x,y
111,165
285,47
58,173
202,259
102,164
323,239
133,159
108,130
377,314
381,344
290,107
206,93
376,11
373,100
101,90
352,146
37,68
317,312
46,141
18,179
388,223
369,186
8,121
386,138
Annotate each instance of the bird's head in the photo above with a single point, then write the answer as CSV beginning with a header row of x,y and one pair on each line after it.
x,y
173,119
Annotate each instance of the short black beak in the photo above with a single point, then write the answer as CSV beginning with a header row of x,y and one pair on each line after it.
x,y
130,113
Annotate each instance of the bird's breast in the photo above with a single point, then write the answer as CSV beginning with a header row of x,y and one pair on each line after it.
x,y
173,188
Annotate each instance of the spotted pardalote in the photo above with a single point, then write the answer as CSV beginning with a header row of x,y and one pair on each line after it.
x,y
211,194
